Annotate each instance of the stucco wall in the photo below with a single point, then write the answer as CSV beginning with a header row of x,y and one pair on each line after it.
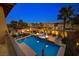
x,y
3,27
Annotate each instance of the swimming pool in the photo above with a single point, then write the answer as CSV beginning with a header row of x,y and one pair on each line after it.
x,y
40,46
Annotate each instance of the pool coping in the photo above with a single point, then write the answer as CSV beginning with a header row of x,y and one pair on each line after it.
x,y
26,49
23,37
20,49
61,50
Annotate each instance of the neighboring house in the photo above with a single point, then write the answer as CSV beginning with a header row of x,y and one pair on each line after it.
x,y
51,26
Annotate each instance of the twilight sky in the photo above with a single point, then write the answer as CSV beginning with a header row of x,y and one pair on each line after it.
x,y
37,12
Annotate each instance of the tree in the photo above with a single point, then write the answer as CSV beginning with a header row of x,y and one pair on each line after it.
x,y
75,20
26,25
22,24
40,25
64,14
13,24
18,25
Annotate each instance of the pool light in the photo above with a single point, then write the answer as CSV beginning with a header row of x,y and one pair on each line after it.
x,y
37,41
46,46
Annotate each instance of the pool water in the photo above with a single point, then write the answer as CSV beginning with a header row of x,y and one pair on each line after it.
x,y
38,45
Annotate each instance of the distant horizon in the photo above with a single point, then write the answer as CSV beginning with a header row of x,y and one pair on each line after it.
x,y
37,12
41,22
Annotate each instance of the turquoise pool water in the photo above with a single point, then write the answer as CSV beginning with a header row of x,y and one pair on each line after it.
x,y
38,45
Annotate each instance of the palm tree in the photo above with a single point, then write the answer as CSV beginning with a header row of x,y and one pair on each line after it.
x,y
64,14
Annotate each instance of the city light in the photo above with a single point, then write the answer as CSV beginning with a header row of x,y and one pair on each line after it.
x,y
77,44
